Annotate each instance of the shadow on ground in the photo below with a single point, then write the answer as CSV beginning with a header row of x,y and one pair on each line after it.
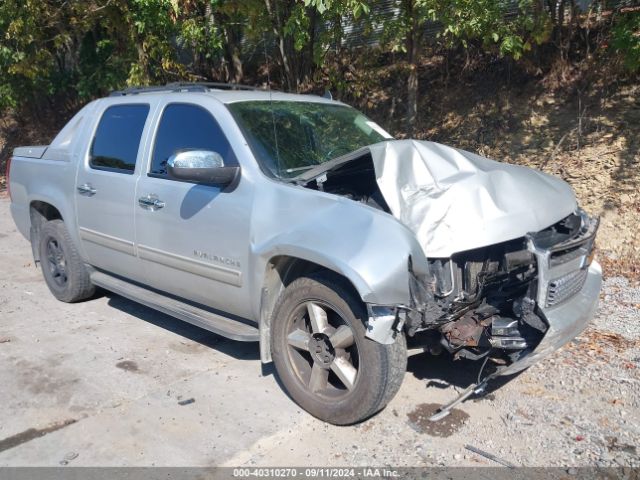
x,y
237,350
438,371
443,371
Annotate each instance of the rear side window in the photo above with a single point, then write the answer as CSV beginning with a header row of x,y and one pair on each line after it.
x,y
115,145
187,127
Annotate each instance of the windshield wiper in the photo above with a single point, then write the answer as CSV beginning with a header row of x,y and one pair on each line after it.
x,y
299,169
314,171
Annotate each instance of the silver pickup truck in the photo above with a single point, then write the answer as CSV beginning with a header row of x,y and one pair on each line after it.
x,y
296,222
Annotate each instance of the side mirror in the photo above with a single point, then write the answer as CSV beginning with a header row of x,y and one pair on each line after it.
x,y
201,166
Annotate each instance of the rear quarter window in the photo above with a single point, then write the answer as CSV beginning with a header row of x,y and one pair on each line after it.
x,y
117,139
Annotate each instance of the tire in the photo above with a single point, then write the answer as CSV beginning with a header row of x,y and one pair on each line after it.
x,y
324,361
64,271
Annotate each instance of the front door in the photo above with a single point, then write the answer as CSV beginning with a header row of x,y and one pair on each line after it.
x,y
105,190
193,240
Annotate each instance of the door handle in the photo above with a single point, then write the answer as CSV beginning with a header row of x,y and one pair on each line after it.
x,y
87,189
150,202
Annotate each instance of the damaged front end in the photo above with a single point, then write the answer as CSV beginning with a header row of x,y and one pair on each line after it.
x,y
513,303
505,269
492,301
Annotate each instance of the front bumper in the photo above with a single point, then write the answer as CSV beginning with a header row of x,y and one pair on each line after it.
x,y
566,321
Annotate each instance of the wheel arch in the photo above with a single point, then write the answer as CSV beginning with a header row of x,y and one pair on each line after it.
x,y
40,212
280,271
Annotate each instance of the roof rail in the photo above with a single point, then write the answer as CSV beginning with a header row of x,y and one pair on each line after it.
x,y
182,87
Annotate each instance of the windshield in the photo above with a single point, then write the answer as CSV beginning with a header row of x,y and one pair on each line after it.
x,y
288,138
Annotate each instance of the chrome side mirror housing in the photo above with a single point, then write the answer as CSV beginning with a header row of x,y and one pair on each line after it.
x,y
202,167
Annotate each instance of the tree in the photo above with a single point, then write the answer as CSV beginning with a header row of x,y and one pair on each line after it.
x,y
502,25
52,50
405,33
229,15
626,39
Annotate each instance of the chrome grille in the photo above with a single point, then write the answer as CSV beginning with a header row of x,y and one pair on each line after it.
x,y
565,287
563,266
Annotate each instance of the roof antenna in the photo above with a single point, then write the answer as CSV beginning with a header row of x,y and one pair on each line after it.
x,y
273,115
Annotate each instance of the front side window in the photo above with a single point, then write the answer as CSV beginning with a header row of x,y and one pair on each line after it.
x,y
117,139
187,127
288,137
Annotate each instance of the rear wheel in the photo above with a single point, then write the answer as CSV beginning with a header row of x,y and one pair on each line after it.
x,y
62,267
322,356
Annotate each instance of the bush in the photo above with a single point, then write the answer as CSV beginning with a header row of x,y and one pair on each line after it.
x,y
625,39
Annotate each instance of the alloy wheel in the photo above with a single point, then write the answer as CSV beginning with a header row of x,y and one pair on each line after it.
x,y
56,262
322,350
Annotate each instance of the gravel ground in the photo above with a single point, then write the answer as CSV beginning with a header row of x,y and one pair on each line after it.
x,y
619,308
585,401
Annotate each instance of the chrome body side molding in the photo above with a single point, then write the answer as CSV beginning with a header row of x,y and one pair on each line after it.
x,y
214,272
108,241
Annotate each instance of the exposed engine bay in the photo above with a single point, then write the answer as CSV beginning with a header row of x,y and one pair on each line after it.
x,y
355,180
482,302
490,301
479,300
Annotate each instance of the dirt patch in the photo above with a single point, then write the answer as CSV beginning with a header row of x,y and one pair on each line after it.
x,y
187,347
595,342
46,378
419,420
128,366
32,433
628,267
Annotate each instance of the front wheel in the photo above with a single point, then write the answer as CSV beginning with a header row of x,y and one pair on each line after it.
x,y
322,356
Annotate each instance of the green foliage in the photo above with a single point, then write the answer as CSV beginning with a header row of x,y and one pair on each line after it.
x,y
201,35
625,39
81,49
297,27
483,20
493,23
356,8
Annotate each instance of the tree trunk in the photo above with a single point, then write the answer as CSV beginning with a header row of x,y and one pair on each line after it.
x,y
274,14
232,35
236,62
412,46
310,62
412,98
204,64
232,54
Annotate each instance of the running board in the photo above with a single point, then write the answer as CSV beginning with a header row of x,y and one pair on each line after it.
x,y
199,317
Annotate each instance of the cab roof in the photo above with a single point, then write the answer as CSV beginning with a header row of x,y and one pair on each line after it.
x,y
223,92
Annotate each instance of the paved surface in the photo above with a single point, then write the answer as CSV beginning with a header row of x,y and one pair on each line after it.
x,y
100,383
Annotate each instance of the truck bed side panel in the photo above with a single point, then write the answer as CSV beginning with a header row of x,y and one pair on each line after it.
x,y
49,181
48,173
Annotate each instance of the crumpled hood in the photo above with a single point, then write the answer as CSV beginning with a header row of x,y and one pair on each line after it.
x,y
455,200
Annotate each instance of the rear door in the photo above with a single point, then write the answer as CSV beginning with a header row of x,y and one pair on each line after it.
x,y
195,243
106,186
